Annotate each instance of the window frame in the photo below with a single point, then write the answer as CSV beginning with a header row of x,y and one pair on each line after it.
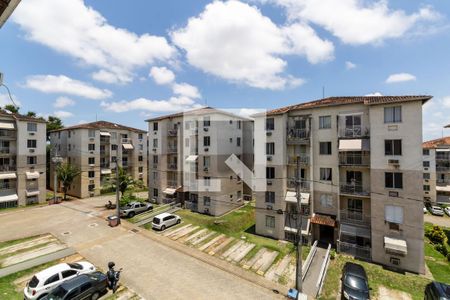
x,y
323,124
325,148
395,111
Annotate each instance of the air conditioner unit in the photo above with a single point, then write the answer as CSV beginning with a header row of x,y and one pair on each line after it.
x,y
268,133
32,150
269,207
206,149
205,129
393,162
206,169
269,158
395,261
154,149
269,182
91,181
32,133
91,152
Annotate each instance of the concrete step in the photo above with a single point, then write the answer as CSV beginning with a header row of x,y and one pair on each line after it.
x,y
241,252
194,235
248,264
175,230
184,232
203,238
219,247
232,249
267,262
211,242
275,272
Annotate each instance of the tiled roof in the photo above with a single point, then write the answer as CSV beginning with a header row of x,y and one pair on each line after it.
x,y
333,101
448,126
445,141
102,125
323,220
202,110
4,113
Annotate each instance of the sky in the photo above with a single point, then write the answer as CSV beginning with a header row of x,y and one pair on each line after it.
x,y
87,60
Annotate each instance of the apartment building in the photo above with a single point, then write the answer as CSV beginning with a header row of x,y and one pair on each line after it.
x,y
94,148
436,171
22,160
188,155
360,172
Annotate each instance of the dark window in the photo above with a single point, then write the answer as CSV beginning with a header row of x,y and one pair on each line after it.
x,y
68,273
270,197
270,172
206,122
31,143
155,193
32,127
270,124
426,151
155,159
324,122
238,141
113,147
31,160
394,226
140,136
326,174
140,158
393,114
393,180
91,174
91,187
155,126
426,188
206,141
206,201
91,147
141,169
426,175
52,279
325,148
270,148
426,164
392,147
91,160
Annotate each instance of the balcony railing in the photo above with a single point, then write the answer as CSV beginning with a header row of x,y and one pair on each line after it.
x,y
8,168
104,139
126,141
295,134
105,165
355,218
172,166
304,159
354,131
172,132
7,134
355,250
442,182
172,183
7,185
304,185
4,150
172,149
442,166
354,159
356,189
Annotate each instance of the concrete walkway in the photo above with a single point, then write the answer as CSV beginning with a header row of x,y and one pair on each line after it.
x,y
36,262
312,276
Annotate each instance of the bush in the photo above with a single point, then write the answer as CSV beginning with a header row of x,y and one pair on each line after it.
x,y
130,198
442,249
448,256
332,254
436,235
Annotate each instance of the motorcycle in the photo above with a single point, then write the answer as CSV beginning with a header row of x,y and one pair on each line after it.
x,y
110,205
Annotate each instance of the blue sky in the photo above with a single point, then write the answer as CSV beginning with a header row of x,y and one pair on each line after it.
x,y
83,60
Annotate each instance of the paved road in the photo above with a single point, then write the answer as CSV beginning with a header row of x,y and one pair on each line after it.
x,y
152,269
441,221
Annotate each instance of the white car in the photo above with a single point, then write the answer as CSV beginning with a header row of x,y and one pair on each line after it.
x,y
425,210
164,220
447,210
437,211
45,281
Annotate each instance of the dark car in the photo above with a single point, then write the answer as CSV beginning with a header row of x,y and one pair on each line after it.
x,y
437,291
86,286
354,282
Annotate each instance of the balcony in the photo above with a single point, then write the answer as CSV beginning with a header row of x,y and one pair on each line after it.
x,y
104,140
354,250
126,141
296,135
8,185
304,159
354,159
304,185
354,189
4,150
8,168
172,149
172,183
172,166
442,165
354,218
7,134
105,165
172,132
355,131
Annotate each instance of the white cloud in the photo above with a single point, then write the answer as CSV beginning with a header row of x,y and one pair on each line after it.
x,y
446,102
234,41
143,104
186,90
400,77
162,75
111,77
64,85
349,65
62,102
5,100
63,114
375,94
70,27
436,114
357,22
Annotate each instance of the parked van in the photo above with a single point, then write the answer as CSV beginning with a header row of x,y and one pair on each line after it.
x,y
165,220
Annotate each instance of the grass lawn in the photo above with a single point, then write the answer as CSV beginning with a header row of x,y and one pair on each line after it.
x,y
409,283
438,264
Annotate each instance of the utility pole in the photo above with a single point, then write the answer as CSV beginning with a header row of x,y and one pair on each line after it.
x,y
117,192
298,273
56,159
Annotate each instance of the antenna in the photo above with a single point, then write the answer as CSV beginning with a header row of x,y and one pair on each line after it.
x,y
323,92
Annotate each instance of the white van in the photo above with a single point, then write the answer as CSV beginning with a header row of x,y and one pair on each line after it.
x,y
164,220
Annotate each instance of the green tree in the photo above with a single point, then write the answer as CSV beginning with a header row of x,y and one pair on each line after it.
x,y
66,173
31,114
53,123
125,181
12,108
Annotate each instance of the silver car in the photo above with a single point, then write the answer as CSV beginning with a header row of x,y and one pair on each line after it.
x,y
134,208
437,211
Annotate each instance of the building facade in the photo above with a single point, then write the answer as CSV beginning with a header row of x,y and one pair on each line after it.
x,y
355,165
22,160
94,149
188,155
436,171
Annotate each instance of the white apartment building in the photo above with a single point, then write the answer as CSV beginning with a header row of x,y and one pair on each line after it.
x,y
94,148
360,173
187,159
436,171
22,160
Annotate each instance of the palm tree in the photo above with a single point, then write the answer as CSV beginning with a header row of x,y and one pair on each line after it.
x,y
125,181
31,114
66,174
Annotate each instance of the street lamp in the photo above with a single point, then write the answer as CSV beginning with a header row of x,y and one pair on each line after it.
x,y
56,161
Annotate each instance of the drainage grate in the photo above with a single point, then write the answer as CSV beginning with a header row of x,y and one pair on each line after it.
x,y
93,225
66,233
135,230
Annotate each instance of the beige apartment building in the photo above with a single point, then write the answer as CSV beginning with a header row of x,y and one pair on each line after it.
x,y
187,159
22,160
436,171
94,148
360,176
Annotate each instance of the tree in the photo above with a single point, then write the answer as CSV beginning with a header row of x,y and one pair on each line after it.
x,y
53,123
31,114
66,173
125,181
12,108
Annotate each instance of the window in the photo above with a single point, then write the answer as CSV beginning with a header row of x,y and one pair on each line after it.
x,y
114,135
206,122
206,141
186,142
140,136
355,209
84,287
392,147
324,122
393,214
206,201
393,180
238,195
113,158
270,221
155,126
326,200
140,158
141,147
238,141
31,126
207,180
426,151
270,148
206,161
31,160
155,193
270,172
270,124
31,143
91,147
231,140
239,124
231,121
270,197
426,175
91,187
141,169
52,279
426,188
426,164
91,160
68,273
393,114
91,133
155,159
325,148
325,174
91,174
113,147
155,175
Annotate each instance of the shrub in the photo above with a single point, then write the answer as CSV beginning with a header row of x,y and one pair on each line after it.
x,y
448,256
436,235
442,249
127,198
332,254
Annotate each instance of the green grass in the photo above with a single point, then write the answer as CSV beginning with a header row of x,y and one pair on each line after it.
x,y
409,283
438,264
